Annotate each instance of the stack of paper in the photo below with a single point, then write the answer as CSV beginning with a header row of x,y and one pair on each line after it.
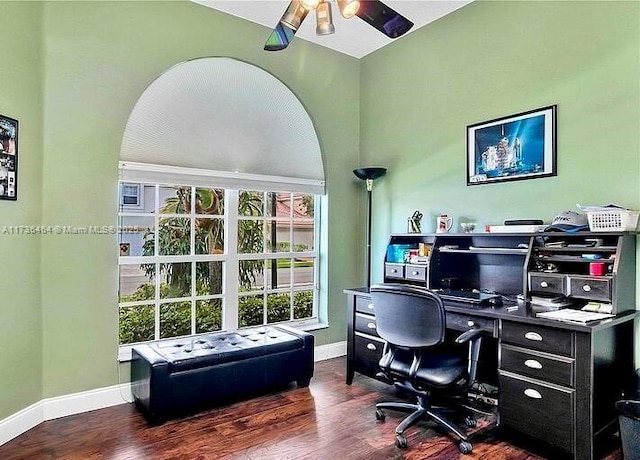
x,y
574,316
516,228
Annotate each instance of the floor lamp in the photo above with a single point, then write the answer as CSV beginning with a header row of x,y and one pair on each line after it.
x,y
369,175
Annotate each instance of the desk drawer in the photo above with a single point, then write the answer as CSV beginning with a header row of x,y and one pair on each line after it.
x,y
462,322
364,305
540,411
394,270
548,368
590,288
367,353
556,341
415,272
547,282
366,324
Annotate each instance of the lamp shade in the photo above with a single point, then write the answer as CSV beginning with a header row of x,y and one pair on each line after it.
x,y
369,173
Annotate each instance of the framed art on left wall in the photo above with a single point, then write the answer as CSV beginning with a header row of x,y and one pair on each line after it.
x,y
8,158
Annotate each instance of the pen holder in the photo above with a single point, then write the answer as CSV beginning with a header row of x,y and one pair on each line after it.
x,y
413,225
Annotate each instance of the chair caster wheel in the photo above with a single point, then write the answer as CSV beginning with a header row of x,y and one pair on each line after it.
x,y
380,415
465,447
471,422
401,441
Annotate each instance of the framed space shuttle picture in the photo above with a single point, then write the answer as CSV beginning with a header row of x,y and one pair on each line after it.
x,y
520,146
8,158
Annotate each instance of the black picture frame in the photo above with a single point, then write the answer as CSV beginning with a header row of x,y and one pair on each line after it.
x,y
516,147
8,158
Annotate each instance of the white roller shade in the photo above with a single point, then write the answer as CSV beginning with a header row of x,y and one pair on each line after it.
x,y
225,119
146,173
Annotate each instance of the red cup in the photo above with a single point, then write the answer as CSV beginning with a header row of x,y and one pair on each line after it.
x,y
597,268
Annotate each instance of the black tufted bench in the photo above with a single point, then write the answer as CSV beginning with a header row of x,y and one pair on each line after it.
x,y
184,375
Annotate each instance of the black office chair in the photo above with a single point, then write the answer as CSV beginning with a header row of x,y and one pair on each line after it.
x,y
412,321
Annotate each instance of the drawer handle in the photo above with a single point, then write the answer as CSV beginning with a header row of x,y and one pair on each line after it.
x,y
370,306
530,392
544,284
533,364
393,270
371,325
533,336
415,273
470,323
586,288
371,347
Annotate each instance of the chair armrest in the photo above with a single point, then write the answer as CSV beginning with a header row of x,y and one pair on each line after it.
x,y
471,334
474,337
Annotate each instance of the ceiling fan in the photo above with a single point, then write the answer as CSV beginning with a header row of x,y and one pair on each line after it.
x,y
373,12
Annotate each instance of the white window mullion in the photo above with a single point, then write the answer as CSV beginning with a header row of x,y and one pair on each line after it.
x,y
192,251
156,251
266,249
291,243
230,310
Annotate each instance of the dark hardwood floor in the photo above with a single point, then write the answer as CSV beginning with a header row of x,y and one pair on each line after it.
x,y
328,420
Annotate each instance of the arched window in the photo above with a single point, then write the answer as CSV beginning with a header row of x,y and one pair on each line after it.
x,y
221,172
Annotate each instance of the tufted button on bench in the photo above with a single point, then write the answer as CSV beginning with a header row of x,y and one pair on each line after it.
x,y
184,375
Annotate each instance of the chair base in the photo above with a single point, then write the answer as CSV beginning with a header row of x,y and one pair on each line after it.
x,y
421,411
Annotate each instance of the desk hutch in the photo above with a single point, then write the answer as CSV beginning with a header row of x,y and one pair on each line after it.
x,y
557,381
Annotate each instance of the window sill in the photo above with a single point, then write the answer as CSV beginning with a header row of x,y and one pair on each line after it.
x,y
312,327
124,351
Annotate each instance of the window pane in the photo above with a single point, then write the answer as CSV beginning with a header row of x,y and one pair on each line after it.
x,y
174,236
303,235
175,319
176,280
278,236
250,310
136,235
278,273
250,237
208,315
303,272
210,201
251,275
278,307
209,278
136,323
175,200
303,206
250,203
209,236
302,304
137,282
279,204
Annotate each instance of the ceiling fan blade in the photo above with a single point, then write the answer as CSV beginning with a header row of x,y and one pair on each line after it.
x,y
381,17
284,32
279,38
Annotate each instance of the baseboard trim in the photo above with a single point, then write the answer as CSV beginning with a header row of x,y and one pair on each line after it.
x,y
329,351
62,406
16,424
85,401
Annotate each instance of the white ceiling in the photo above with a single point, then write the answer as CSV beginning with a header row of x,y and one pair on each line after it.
x,y
353,36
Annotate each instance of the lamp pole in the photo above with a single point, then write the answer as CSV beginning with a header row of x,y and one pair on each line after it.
x,y
369,175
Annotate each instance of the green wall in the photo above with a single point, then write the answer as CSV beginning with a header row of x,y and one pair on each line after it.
x,y
58,322
20,313
491,59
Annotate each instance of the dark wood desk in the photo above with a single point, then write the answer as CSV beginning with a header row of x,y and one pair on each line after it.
x,y
558,381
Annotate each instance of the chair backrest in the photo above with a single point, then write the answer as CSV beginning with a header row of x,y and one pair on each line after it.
x,y
408,316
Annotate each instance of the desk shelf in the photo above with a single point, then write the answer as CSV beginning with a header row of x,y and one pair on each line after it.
x,y
494,251
572,259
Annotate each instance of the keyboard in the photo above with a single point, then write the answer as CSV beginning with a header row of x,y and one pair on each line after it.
x,y
476,298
